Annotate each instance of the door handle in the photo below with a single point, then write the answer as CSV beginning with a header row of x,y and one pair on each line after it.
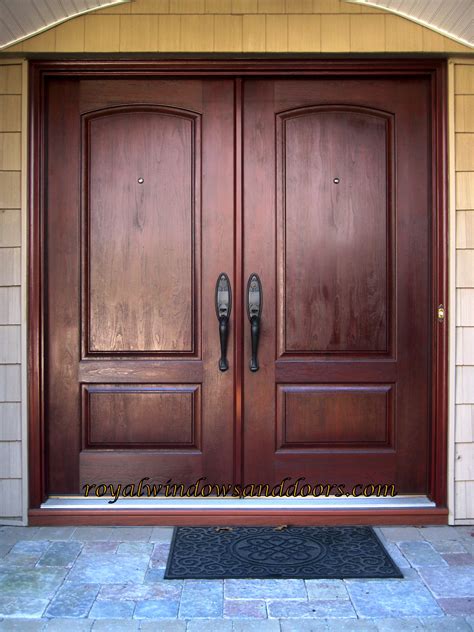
x,y
223,309
254,312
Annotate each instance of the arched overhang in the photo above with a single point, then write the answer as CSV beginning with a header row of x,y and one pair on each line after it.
x,y
22,19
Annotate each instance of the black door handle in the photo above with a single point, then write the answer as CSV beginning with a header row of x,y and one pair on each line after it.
x,y
254,312
223,308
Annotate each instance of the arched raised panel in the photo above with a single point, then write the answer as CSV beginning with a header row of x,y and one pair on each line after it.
x,y
334,168
141,172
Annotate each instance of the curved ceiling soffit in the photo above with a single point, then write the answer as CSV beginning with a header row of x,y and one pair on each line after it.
x,y
451,18
21,19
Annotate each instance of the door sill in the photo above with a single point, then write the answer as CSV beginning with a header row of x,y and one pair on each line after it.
x,y
76,510
238,504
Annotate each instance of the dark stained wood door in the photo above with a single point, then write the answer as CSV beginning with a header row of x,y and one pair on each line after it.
x,y
336,196
138,227
139,221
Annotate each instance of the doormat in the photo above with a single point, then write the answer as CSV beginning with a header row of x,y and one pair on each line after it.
x,y
276,552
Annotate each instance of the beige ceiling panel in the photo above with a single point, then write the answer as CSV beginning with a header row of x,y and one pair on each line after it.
x,y
452,18
20,19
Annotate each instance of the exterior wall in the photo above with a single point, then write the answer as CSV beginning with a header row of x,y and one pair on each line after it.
x,y
227,26
464,204
11,87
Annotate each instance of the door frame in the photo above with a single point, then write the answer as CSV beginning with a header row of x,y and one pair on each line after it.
x,y
433,69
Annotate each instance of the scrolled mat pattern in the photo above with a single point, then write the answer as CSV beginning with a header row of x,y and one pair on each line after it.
x,y
273,552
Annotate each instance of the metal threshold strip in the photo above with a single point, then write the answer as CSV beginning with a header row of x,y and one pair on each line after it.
x,y
295,504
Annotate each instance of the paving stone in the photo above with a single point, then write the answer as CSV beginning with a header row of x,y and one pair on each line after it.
x,y
451,581
112,610
84,534
128,592
22,625
395,625
157,590
245,609
161,534
99,548
116,625
303,625
133,534
265,588
108,569
468,543
158,565
449,546
327,625
12,566
160,548
13,534
202,599
25,590
69,625
446,624
410,573
22,606
163,626
466,530
156,609
356,625
73,600
209,625
256,626
155,575
37,583
159,557
326,589
459,559
440,533
378,531
292,609
53,533
421,554
4,549
61,554
401,534
396,555
457,606
26,552
392,598
142,549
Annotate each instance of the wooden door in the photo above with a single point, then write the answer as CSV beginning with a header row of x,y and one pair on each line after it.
x,y
336,196
138,227
141,177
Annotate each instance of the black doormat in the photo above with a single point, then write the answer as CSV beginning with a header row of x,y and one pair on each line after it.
x,y
269,552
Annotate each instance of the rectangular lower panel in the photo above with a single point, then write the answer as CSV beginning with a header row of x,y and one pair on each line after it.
x,y
128,467
334,416
150,416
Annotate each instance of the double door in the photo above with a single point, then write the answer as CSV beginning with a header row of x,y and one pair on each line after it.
x,y
282,223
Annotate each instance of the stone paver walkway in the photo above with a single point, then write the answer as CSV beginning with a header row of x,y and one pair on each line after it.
x,y
111,578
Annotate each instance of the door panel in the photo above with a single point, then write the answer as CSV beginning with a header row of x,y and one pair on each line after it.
x,y
328,223
366,409
141,170
336,210
132,338
126,416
